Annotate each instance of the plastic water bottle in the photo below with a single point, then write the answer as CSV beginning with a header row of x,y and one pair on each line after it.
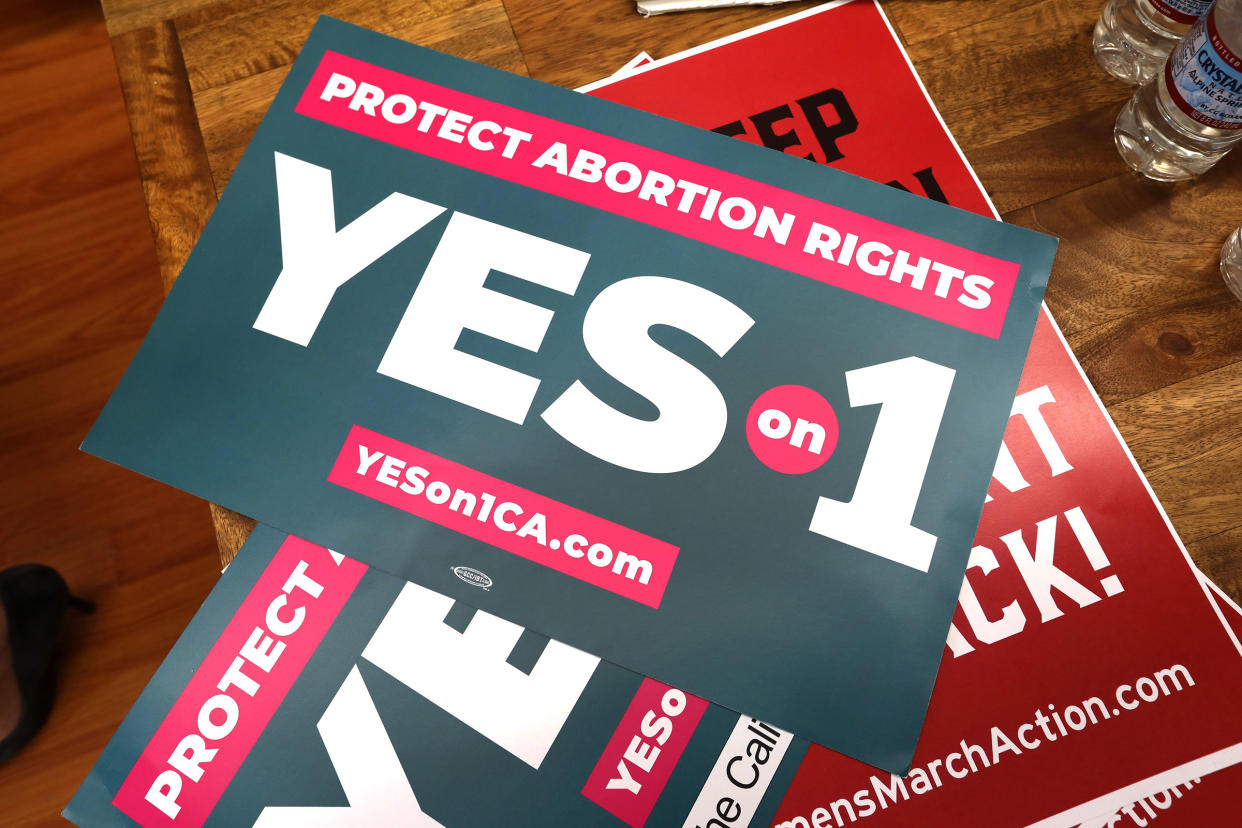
x,y
1189,115
1231,263
1133,37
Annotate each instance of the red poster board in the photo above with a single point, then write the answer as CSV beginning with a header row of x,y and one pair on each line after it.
x,y
1081,612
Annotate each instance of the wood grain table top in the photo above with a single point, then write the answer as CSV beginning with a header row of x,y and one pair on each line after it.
x,y
1136,287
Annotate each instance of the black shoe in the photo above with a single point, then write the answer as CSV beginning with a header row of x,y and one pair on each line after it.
x,y
34,598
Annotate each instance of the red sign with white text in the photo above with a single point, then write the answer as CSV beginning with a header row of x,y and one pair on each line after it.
x,y
1082,633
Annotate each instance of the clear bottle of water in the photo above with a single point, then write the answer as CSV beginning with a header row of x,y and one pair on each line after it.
x,y
1189,115
1231,263
1133,37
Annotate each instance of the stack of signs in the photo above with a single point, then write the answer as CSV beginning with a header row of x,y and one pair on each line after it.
x,y
771,526
708,411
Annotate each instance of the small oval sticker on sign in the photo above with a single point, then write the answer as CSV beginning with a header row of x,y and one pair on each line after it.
x,y
472,576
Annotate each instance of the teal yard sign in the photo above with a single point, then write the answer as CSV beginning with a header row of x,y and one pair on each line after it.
x,y
717,415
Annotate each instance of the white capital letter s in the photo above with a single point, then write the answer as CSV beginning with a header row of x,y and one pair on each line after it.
x,y
693,413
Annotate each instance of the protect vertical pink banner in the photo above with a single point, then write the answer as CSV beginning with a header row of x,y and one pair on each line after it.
x,y
238,687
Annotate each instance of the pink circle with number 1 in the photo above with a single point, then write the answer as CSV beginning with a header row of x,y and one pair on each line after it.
x,y
792,429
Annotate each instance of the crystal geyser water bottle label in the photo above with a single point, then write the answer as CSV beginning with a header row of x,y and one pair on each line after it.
x,y
1205,78
1183,11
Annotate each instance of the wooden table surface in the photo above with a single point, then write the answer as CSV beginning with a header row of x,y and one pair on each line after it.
x,y
1136,287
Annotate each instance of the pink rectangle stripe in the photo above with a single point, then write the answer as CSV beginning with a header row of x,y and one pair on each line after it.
x,y
639,758
891,264
517,520
238,687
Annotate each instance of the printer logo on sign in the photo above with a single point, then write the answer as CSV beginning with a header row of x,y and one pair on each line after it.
x,y
473,577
